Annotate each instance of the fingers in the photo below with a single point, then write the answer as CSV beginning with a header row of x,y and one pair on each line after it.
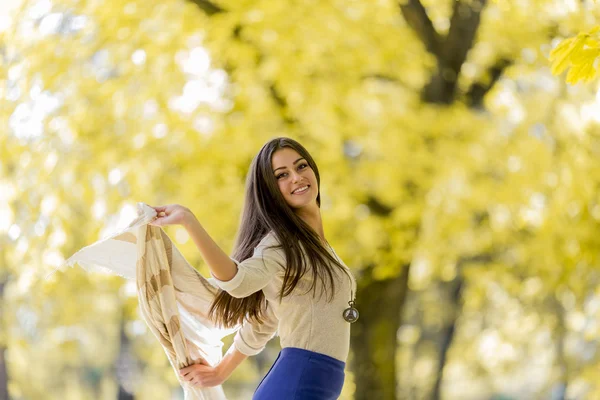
x,y
196,373
188,373
193,367
192,379
160,214
156,222
186,370
196,383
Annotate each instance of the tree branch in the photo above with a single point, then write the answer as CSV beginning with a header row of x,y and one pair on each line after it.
x,y
466,16
283,105
377,207
208,7
278,98
417,18
464,23
382,78
478,90
477,258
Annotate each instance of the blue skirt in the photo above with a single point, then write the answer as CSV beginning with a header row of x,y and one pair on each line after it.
x,y
299,374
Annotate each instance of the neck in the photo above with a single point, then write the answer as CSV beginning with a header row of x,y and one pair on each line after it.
x,y
312,216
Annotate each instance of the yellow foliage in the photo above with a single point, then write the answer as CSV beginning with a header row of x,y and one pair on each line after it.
x,y
440,187
579,54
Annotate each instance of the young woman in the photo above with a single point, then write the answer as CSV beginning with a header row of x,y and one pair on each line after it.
x,y
283,276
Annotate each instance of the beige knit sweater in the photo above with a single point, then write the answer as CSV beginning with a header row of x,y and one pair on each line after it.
x,y
302,320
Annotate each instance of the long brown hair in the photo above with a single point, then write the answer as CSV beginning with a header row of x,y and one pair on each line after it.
x,y
265,210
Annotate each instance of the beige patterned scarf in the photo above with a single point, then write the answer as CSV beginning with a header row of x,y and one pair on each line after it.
x,y
174,298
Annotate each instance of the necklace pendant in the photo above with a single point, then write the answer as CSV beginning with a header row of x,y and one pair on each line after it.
x,y
351,314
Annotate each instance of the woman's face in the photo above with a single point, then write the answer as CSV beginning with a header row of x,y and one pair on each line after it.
x,y
292,172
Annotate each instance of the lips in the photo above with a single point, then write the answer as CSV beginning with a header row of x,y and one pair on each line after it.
x,y
308,187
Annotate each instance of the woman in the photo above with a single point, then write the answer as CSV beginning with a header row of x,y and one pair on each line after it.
x,y
288,279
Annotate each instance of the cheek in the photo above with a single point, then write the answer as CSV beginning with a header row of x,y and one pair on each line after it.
x,y
282,188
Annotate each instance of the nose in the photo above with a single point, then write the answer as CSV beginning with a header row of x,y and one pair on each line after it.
x,y
296,177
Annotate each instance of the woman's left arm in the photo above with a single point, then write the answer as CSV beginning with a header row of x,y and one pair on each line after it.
x,y
249,340
201,374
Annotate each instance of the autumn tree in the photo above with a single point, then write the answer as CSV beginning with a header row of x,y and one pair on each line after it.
x,y
421,116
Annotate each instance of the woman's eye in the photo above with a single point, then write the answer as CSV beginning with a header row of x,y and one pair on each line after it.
x,y
285,173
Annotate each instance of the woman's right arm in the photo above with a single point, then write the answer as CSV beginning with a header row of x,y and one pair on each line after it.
x,y
238,279
255,273
220,264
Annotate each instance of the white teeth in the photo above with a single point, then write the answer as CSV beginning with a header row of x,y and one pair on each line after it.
x,y
302,189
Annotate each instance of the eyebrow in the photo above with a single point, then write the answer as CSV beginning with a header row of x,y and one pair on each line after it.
x,y
301,158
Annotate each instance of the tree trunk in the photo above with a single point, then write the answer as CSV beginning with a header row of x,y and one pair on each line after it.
x,y
561,360
3,375
3,367
125,366
373,338
447,334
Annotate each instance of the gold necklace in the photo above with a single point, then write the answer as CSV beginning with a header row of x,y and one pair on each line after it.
x,y
350,314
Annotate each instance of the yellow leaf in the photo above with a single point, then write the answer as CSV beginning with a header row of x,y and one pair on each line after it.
x,y
594,30
562,49
585,56
583,71
560,55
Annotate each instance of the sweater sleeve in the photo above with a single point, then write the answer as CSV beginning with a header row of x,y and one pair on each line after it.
x,y
254,273
252,337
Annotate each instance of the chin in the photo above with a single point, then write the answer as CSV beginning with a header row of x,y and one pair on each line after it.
x,y
295,203
304,204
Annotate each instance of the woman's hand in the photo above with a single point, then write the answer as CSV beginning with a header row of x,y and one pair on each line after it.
x,y
201,374
172,214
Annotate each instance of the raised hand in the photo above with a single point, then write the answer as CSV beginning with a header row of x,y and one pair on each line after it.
x,y
172,214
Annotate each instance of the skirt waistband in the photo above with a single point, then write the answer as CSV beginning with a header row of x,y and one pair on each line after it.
x,y
298,352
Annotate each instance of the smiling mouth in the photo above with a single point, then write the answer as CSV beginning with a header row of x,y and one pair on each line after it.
x,y
302,191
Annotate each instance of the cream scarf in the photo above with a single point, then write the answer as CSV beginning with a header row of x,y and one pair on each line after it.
x,y
174,298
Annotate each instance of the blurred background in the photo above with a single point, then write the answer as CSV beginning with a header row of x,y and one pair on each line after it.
x,y
460,182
